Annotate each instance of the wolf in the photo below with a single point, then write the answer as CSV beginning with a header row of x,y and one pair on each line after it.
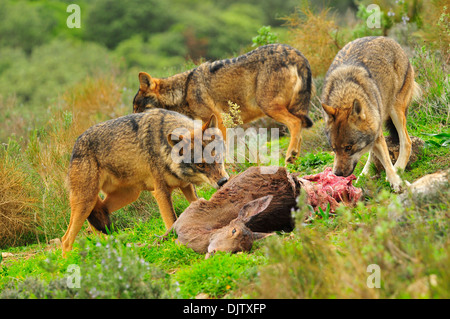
x,y
370,82
273,80
124,156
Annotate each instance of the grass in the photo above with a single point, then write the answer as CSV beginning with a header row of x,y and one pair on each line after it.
x,y
326,256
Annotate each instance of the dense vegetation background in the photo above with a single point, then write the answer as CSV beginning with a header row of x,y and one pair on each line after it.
x,y
55,82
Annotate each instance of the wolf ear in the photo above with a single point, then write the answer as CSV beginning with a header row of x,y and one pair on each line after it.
x,y
174,139
212,122
357,109
180,142
145,82
331,111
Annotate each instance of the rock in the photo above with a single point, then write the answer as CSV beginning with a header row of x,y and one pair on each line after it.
x,y
428,188
6,255
394,149
56,242
421,288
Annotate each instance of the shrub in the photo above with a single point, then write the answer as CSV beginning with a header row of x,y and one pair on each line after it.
x,y
41,176
108,269
316,36
432,75
330,260
17,200
265,36
26,79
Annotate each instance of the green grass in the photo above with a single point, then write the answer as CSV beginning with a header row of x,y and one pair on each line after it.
x,y
316,260
326,256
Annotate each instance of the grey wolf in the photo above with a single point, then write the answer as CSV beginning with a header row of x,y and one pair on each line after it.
x,y
273,80
370,82
124,156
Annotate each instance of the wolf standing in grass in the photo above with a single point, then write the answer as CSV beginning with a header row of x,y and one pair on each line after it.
x,y
272,80
370,81
125,156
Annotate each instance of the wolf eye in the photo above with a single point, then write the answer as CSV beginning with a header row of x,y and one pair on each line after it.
x,y
233,231
201,165
348,148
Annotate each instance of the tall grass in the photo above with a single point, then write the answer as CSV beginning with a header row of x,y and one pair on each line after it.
x,y
40,167
17,202
316,35
331,260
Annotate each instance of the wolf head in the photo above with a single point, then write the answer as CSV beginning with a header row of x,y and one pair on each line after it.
x,y
351,132
199,154
146,97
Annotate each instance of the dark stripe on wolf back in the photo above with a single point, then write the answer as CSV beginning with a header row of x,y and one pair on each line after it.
x,y
134,124
186,84
216,66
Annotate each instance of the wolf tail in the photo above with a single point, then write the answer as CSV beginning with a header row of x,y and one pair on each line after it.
x,y
300,103
417,92
99,218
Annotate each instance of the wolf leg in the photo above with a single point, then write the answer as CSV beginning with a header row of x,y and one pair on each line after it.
x,y
294,124
163,197
380,150
81,208
190,193
99,218
366,168
398,117
120,198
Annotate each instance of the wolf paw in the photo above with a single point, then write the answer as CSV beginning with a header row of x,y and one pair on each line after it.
x,y
291,158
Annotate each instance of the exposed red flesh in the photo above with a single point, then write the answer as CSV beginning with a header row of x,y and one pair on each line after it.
x,y
326,188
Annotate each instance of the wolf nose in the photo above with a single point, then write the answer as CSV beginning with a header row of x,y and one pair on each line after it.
x,y
338,172
222,181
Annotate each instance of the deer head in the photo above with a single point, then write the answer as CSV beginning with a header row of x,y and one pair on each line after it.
x,y
236,236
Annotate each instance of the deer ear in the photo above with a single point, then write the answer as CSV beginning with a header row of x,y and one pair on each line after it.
x,y
254,208
258,236
146,83
331,111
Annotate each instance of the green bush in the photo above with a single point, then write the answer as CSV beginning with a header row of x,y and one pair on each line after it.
x,y
330,260
36,81
108,268
265,36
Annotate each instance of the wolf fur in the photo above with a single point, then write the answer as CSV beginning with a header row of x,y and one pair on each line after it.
x,y
273,80
124,156
370,82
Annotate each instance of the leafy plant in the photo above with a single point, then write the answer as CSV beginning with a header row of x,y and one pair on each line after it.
x,y
265,36
108,269
363,29
443,140
311,162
